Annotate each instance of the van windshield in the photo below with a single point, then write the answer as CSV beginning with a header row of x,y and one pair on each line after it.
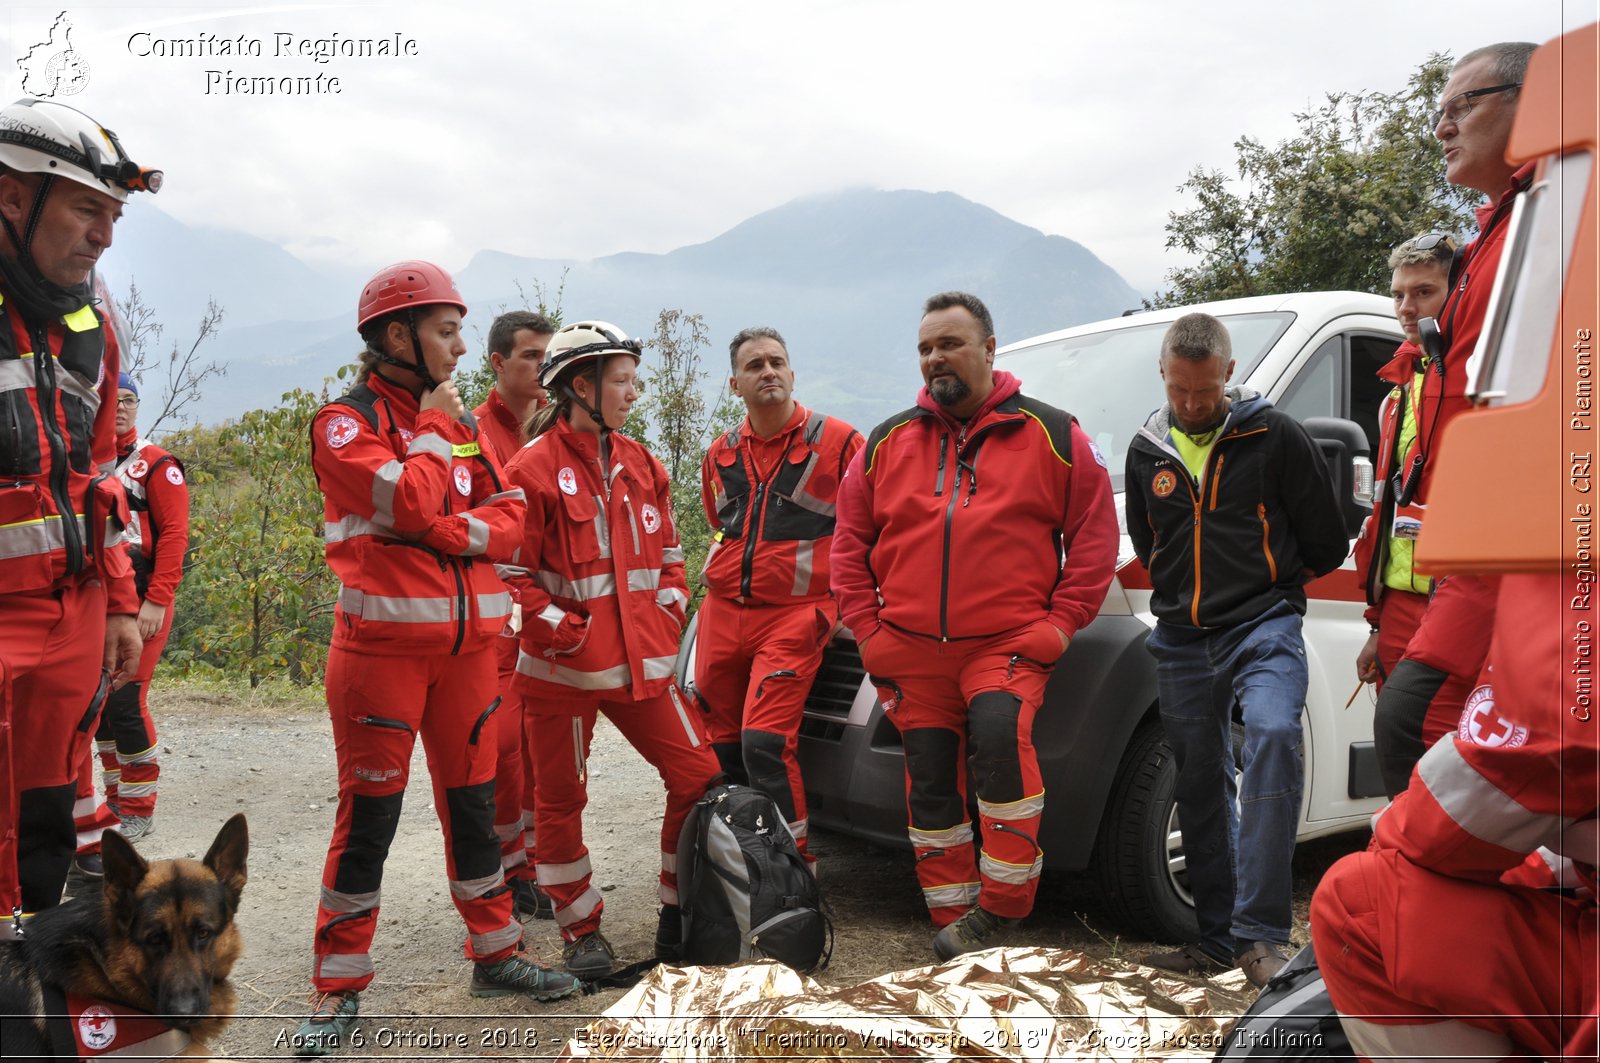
x,y
1108,379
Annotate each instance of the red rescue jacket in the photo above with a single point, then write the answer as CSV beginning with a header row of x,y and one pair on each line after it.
x,y
1444,390
1372,546
607,552
971,530
497,422
158,532
61,510
772,503
417,511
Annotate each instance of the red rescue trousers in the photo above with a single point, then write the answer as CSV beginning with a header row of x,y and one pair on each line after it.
x,y
52,649
665,732
1391,938
753,669
379,704
969,704
513,775
126,740
1426,687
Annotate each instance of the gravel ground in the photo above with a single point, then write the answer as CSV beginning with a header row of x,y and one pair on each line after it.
x,y
223,754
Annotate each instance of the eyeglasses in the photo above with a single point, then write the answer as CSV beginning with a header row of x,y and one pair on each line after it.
x,y
127,400
1429,241
1460,105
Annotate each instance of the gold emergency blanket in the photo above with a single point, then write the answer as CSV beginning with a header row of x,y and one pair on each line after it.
x,y
1022,1004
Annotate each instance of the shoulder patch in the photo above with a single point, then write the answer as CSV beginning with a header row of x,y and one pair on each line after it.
x,y
1094,448
342,428
174,475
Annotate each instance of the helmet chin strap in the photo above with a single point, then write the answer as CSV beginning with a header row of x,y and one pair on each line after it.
x,y
420,366
594,415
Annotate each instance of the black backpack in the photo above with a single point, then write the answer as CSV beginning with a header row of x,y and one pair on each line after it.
x,y
1292,1019
745,891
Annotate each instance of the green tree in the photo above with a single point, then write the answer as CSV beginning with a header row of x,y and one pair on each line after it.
x,y
675,420
1322,210
475,383
258,600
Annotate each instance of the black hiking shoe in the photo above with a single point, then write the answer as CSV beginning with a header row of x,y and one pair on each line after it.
x,y
976,929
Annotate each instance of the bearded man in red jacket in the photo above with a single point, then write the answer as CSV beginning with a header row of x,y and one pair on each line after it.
x,y
976,535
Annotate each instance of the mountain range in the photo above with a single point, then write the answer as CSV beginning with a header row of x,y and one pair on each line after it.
x,y
842,276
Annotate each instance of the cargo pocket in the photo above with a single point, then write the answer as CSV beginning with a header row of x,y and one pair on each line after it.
x,y
585,534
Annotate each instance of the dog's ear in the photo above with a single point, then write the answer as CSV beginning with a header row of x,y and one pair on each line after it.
x,y
125,869
226,857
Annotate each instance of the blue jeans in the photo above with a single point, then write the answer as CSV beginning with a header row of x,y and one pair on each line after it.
x,y
1238,856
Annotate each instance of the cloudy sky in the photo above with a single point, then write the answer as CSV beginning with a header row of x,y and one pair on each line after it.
x,y
582,128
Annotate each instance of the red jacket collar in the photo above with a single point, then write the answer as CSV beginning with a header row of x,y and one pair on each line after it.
x,y
404,403
1402,367
1005,385
126,440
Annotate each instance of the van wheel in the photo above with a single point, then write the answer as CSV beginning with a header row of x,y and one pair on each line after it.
x,y
1138,857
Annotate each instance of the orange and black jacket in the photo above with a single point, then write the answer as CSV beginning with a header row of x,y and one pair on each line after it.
x,y
1223,551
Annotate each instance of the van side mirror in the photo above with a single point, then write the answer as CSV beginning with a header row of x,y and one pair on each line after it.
x,y
1349,457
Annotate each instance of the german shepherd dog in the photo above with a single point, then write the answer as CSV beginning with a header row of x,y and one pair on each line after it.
x,y
161,941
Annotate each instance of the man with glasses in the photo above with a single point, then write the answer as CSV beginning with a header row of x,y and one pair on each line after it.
x,y
1396,594
1443,657
158,538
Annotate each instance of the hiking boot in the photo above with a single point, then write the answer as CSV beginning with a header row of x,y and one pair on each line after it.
x,y
530,901
1261,961
137,828
976,929
332,1018
1187,960
669,935
589,956
88,875
518,974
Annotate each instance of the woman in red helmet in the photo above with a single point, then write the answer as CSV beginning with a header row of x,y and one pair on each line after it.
x,y
417,512
603,596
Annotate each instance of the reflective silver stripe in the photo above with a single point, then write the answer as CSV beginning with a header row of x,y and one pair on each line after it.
x,y
633,525
667,597
669,863
720,501
644,579
660,667
167,1044
510,572
497,941
136,789
1011,874
605,679
672,555
582,590
580,764
384,481
396,610
602,526
667,894
949,838
16,374
84,806
802,566
1449,1040
683,717
493,606
553,614
428,443
26,538
353,525
580,909
353,965
1026,808
518,858
333,901
74,386
961,895
800,828
516,494
477,536
562,874
144,756
472,888
1481,808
